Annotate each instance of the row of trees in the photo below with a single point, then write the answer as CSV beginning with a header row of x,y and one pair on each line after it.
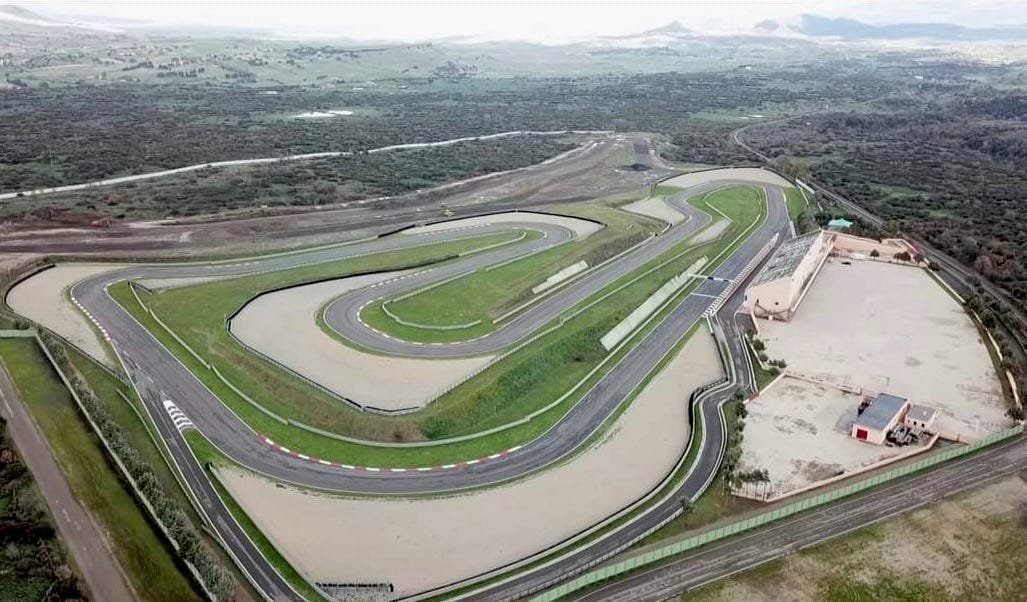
x,y
216,578
757,480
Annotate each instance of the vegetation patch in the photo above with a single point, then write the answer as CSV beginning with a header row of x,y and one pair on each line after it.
x,y
151,568
487,294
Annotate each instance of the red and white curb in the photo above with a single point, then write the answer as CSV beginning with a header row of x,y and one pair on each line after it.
x,y
286,450
85,311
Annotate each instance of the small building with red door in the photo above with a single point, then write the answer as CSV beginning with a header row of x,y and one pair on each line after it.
x,y
875,421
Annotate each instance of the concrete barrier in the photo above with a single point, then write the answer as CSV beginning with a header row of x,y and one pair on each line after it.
x,y
628,325
560,276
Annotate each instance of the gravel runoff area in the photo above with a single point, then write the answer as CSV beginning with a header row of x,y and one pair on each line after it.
x,y
282,325
800,432
656,207
41,299
580,227
892,329
752,174
421,544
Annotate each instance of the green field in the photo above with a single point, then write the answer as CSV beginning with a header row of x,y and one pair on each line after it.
x,y
523,382
487,294
796,203
143,555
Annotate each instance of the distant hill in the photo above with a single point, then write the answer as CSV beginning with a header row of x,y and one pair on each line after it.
x,y
673,28
850,29
20,13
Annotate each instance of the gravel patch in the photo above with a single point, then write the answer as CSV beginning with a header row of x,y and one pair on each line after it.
x,y
421,544
892,329
580,227
750,174
41,299
800,433
282,325
656,207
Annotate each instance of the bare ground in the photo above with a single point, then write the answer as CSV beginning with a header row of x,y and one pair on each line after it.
x,y
969,547
41,298
592,174
282,325
420,544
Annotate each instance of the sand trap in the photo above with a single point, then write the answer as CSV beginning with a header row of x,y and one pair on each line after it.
x,y
41,299
656,207
892,329
421,544
800,433
712,232
743,173
580,227
282,326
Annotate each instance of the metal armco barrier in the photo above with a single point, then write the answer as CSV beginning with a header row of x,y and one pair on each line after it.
x,y
692,543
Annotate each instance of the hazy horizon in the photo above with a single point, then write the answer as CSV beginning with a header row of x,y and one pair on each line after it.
x,y
558,20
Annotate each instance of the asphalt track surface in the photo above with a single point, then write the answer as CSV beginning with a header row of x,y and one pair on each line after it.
x,y
779,539
158,375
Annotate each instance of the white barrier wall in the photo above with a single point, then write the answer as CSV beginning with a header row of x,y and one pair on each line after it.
x,y
626,326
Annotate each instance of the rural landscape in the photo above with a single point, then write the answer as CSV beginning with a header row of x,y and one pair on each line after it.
x,y
728,304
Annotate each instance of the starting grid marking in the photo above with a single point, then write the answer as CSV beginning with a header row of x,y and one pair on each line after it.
x,y
85,311
286,450
177,416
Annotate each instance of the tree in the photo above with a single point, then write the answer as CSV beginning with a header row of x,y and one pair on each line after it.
x,y
875,253
902,256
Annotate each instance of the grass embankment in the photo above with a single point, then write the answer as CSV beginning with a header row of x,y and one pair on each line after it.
x,y
485,295
527,380
209,456
137,545
125,408
796,203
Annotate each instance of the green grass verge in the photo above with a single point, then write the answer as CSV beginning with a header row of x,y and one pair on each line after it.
x,y
487,294
209,455
523,382
138,547
126,409
796,203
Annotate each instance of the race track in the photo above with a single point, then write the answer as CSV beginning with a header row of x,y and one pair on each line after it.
x,y
159,376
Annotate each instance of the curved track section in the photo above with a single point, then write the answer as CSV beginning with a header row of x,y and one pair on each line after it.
x,y
158,375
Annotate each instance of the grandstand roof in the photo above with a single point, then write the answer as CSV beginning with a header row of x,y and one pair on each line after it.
x,y
786,258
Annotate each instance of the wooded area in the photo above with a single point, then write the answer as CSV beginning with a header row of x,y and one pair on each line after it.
x,y
952,169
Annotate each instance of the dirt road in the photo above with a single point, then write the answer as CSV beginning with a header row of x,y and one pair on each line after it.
x,y
96,564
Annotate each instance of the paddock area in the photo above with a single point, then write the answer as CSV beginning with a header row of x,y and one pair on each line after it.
x,y
887,328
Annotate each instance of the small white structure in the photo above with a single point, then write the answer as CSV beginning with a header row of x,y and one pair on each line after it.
x,y
876,420
777,289
921,417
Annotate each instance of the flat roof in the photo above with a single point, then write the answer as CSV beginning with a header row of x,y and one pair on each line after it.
x,y
786,258
921,413
881,411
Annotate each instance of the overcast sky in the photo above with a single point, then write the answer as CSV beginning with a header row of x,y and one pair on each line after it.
x,y
526,19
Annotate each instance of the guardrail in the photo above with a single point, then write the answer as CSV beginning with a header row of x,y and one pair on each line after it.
x,y
759,520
